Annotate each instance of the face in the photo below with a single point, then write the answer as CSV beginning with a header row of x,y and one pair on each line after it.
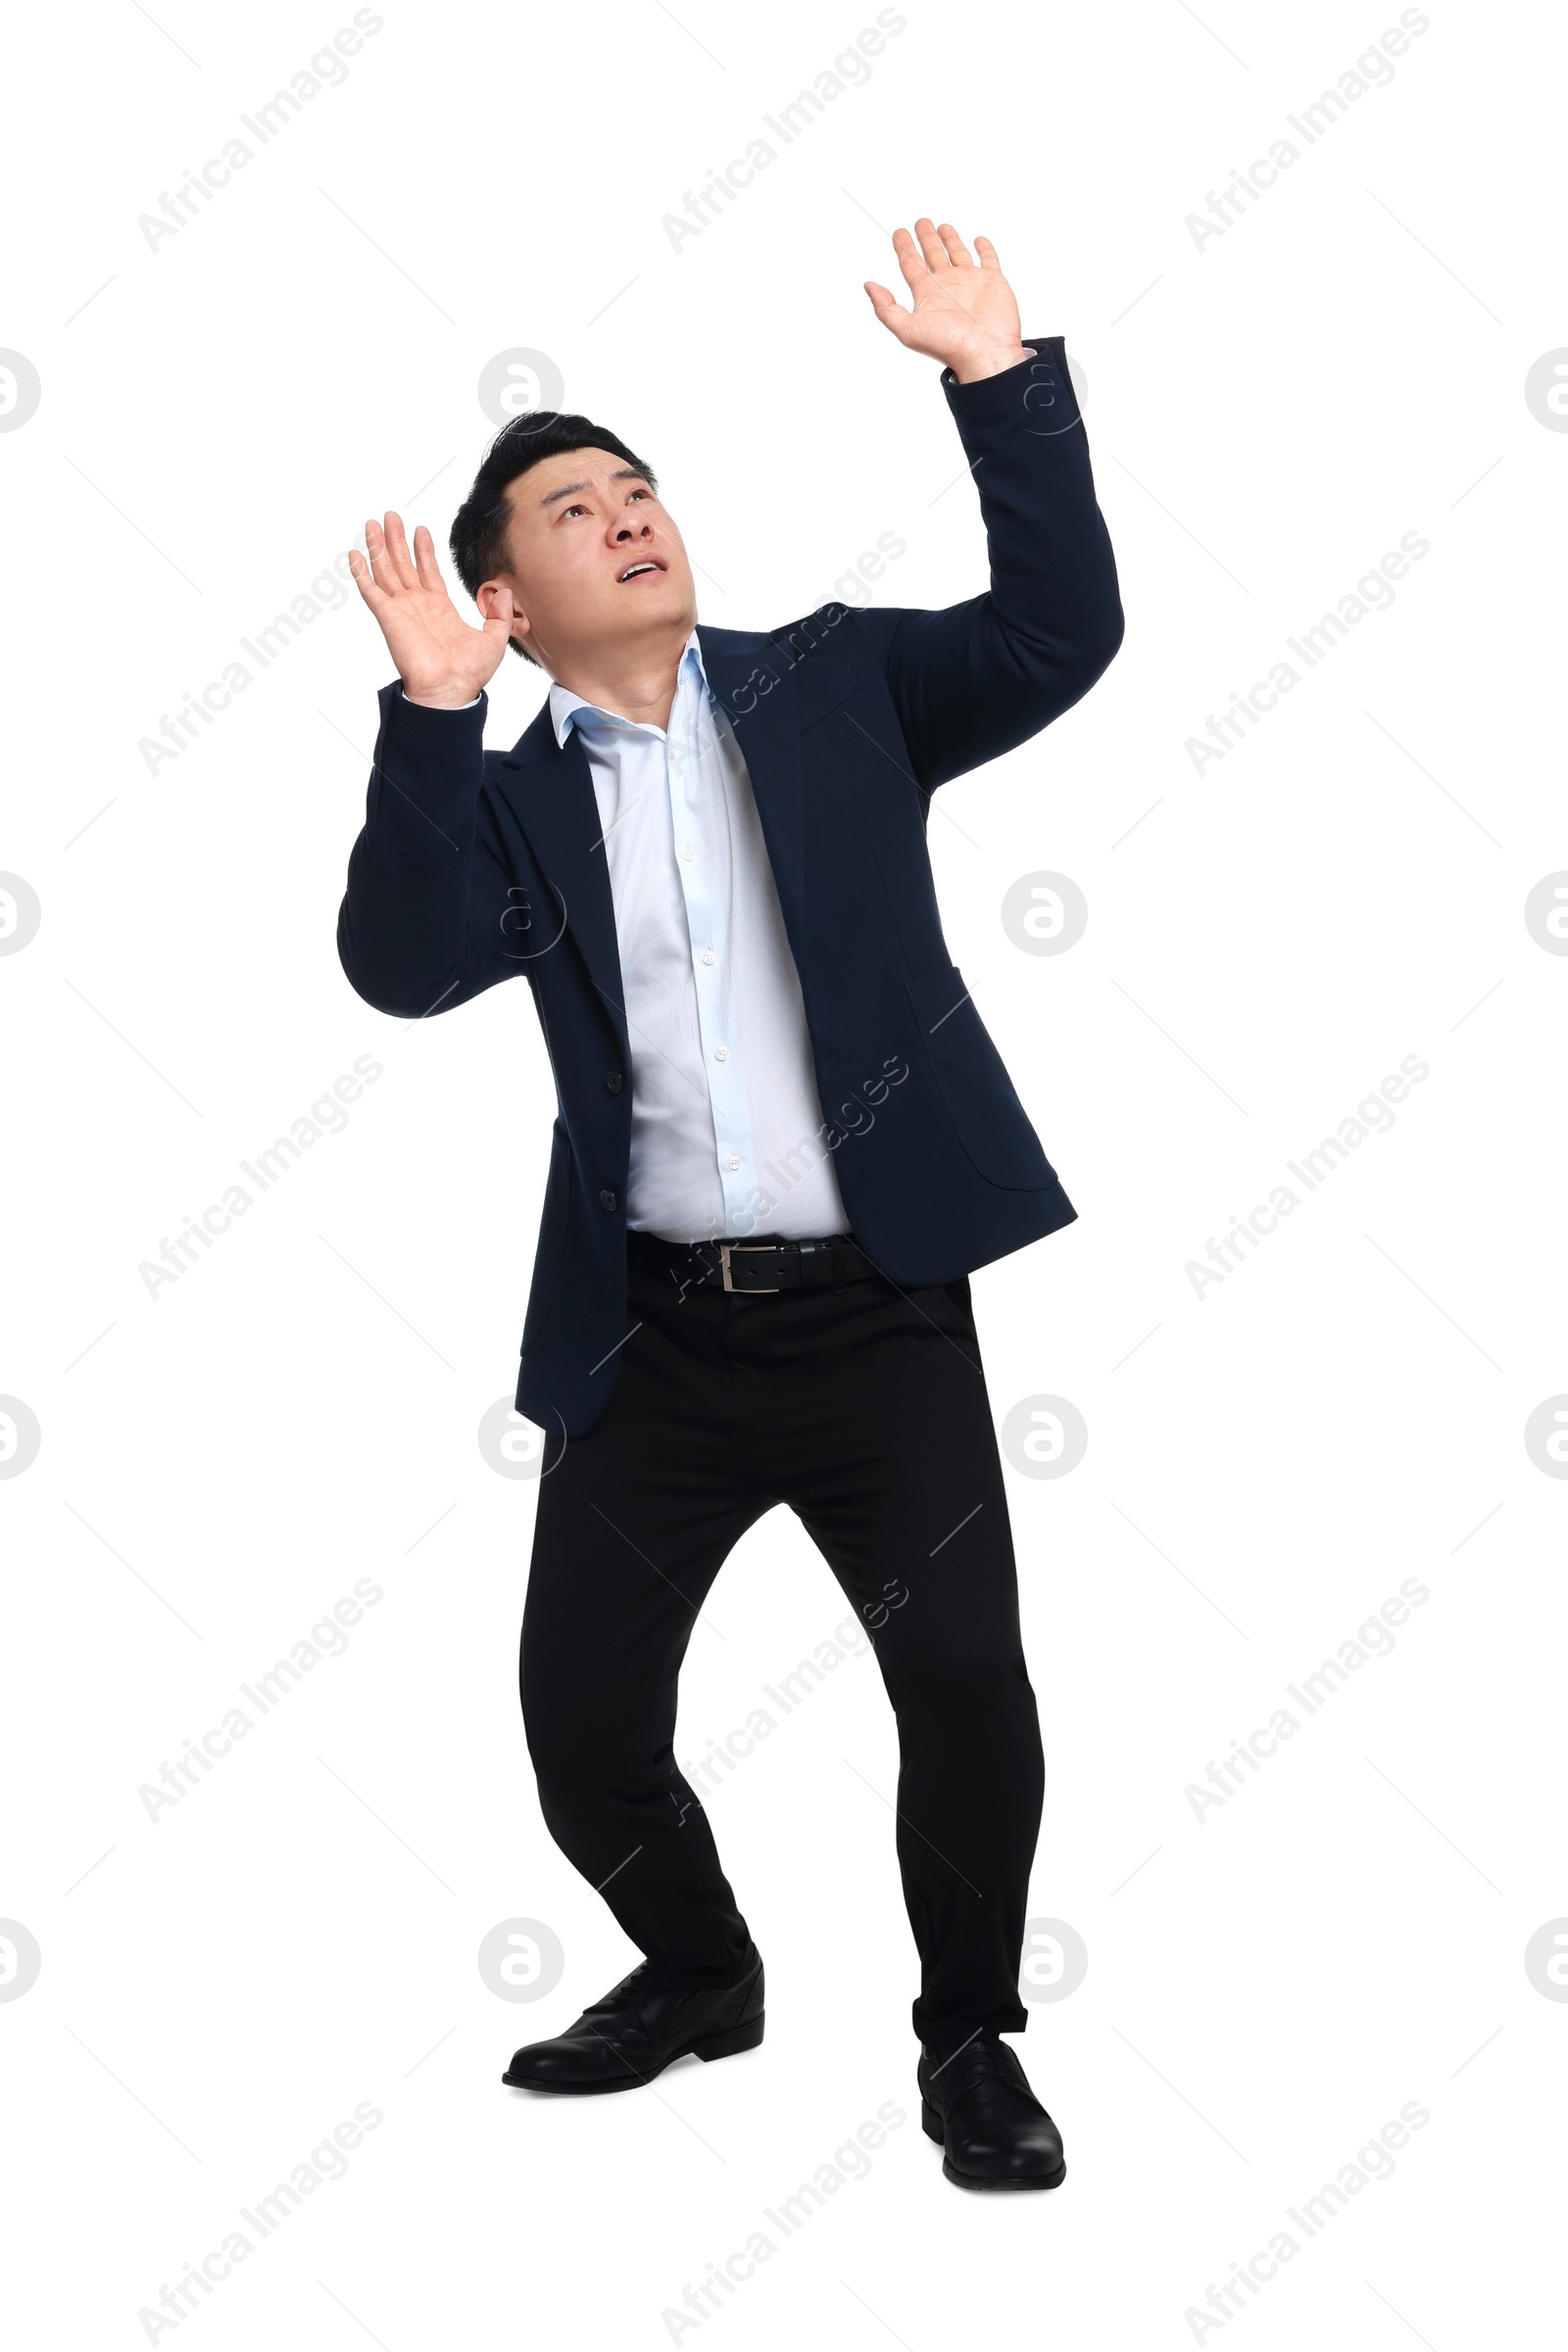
x,y
595,563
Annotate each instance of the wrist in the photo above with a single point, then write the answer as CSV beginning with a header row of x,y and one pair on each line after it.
x,y
990,358
453,697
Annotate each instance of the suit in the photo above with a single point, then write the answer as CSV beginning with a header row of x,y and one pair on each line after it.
x,y
474,866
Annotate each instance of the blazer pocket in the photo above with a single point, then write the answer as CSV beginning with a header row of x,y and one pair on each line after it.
x,y
972,1076
820,687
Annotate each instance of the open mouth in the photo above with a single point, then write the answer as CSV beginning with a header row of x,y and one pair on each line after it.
x,y
641,570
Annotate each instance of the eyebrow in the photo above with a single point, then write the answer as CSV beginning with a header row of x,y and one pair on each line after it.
x,y
622,473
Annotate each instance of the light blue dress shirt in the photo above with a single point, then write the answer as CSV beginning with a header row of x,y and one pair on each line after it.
x,y
726,1133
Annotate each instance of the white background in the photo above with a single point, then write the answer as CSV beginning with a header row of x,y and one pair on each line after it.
x,y
1266,1463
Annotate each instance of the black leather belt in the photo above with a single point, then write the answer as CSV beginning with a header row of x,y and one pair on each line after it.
x,y
753,1266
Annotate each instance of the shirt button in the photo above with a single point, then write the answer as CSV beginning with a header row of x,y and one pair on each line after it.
x,y
688,850
607,1198
733,1160
615,1081
709,955
721,1052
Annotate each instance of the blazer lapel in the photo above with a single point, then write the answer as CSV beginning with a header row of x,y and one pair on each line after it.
x,y
752,679
752,676
553,792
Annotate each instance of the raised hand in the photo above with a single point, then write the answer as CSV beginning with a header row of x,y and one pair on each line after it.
x,y
964,310
441,657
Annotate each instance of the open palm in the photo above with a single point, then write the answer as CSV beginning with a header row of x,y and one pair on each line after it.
x,y
964,313
440,656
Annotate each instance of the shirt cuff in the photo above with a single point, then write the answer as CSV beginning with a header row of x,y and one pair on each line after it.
x,y
404,697
1041,386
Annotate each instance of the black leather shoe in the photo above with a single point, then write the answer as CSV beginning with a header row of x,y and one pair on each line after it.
x,y
643,2024
993,2130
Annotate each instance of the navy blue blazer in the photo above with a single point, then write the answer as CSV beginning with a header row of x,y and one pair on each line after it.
x,y
475,866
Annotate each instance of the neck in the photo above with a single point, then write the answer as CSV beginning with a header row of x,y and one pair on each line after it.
x,y
638,683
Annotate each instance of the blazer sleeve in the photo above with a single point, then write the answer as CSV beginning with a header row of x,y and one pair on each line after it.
x,y
421,926
978,678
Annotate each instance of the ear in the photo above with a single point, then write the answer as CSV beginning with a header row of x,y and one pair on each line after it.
x,y
485,597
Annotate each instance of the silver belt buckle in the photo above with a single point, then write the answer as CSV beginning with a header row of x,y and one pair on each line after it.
x,y
766,1289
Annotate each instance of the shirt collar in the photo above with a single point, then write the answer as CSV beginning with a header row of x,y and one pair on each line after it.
x,y
568,710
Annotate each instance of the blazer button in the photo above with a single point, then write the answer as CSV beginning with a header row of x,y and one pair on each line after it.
x,y
607,1198
615,1081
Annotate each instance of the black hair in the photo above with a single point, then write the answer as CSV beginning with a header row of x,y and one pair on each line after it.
x,y
479,528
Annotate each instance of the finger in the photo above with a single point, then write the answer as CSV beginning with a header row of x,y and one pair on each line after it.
x,y
915,273
958,252
397,550
373,596
430,570
381,564
499,619
931,245
504,620
891,312
988,254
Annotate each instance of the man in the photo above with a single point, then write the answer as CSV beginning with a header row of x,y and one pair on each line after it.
x,y
708,855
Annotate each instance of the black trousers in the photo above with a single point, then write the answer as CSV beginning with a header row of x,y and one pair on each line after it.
x,y
865,1410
